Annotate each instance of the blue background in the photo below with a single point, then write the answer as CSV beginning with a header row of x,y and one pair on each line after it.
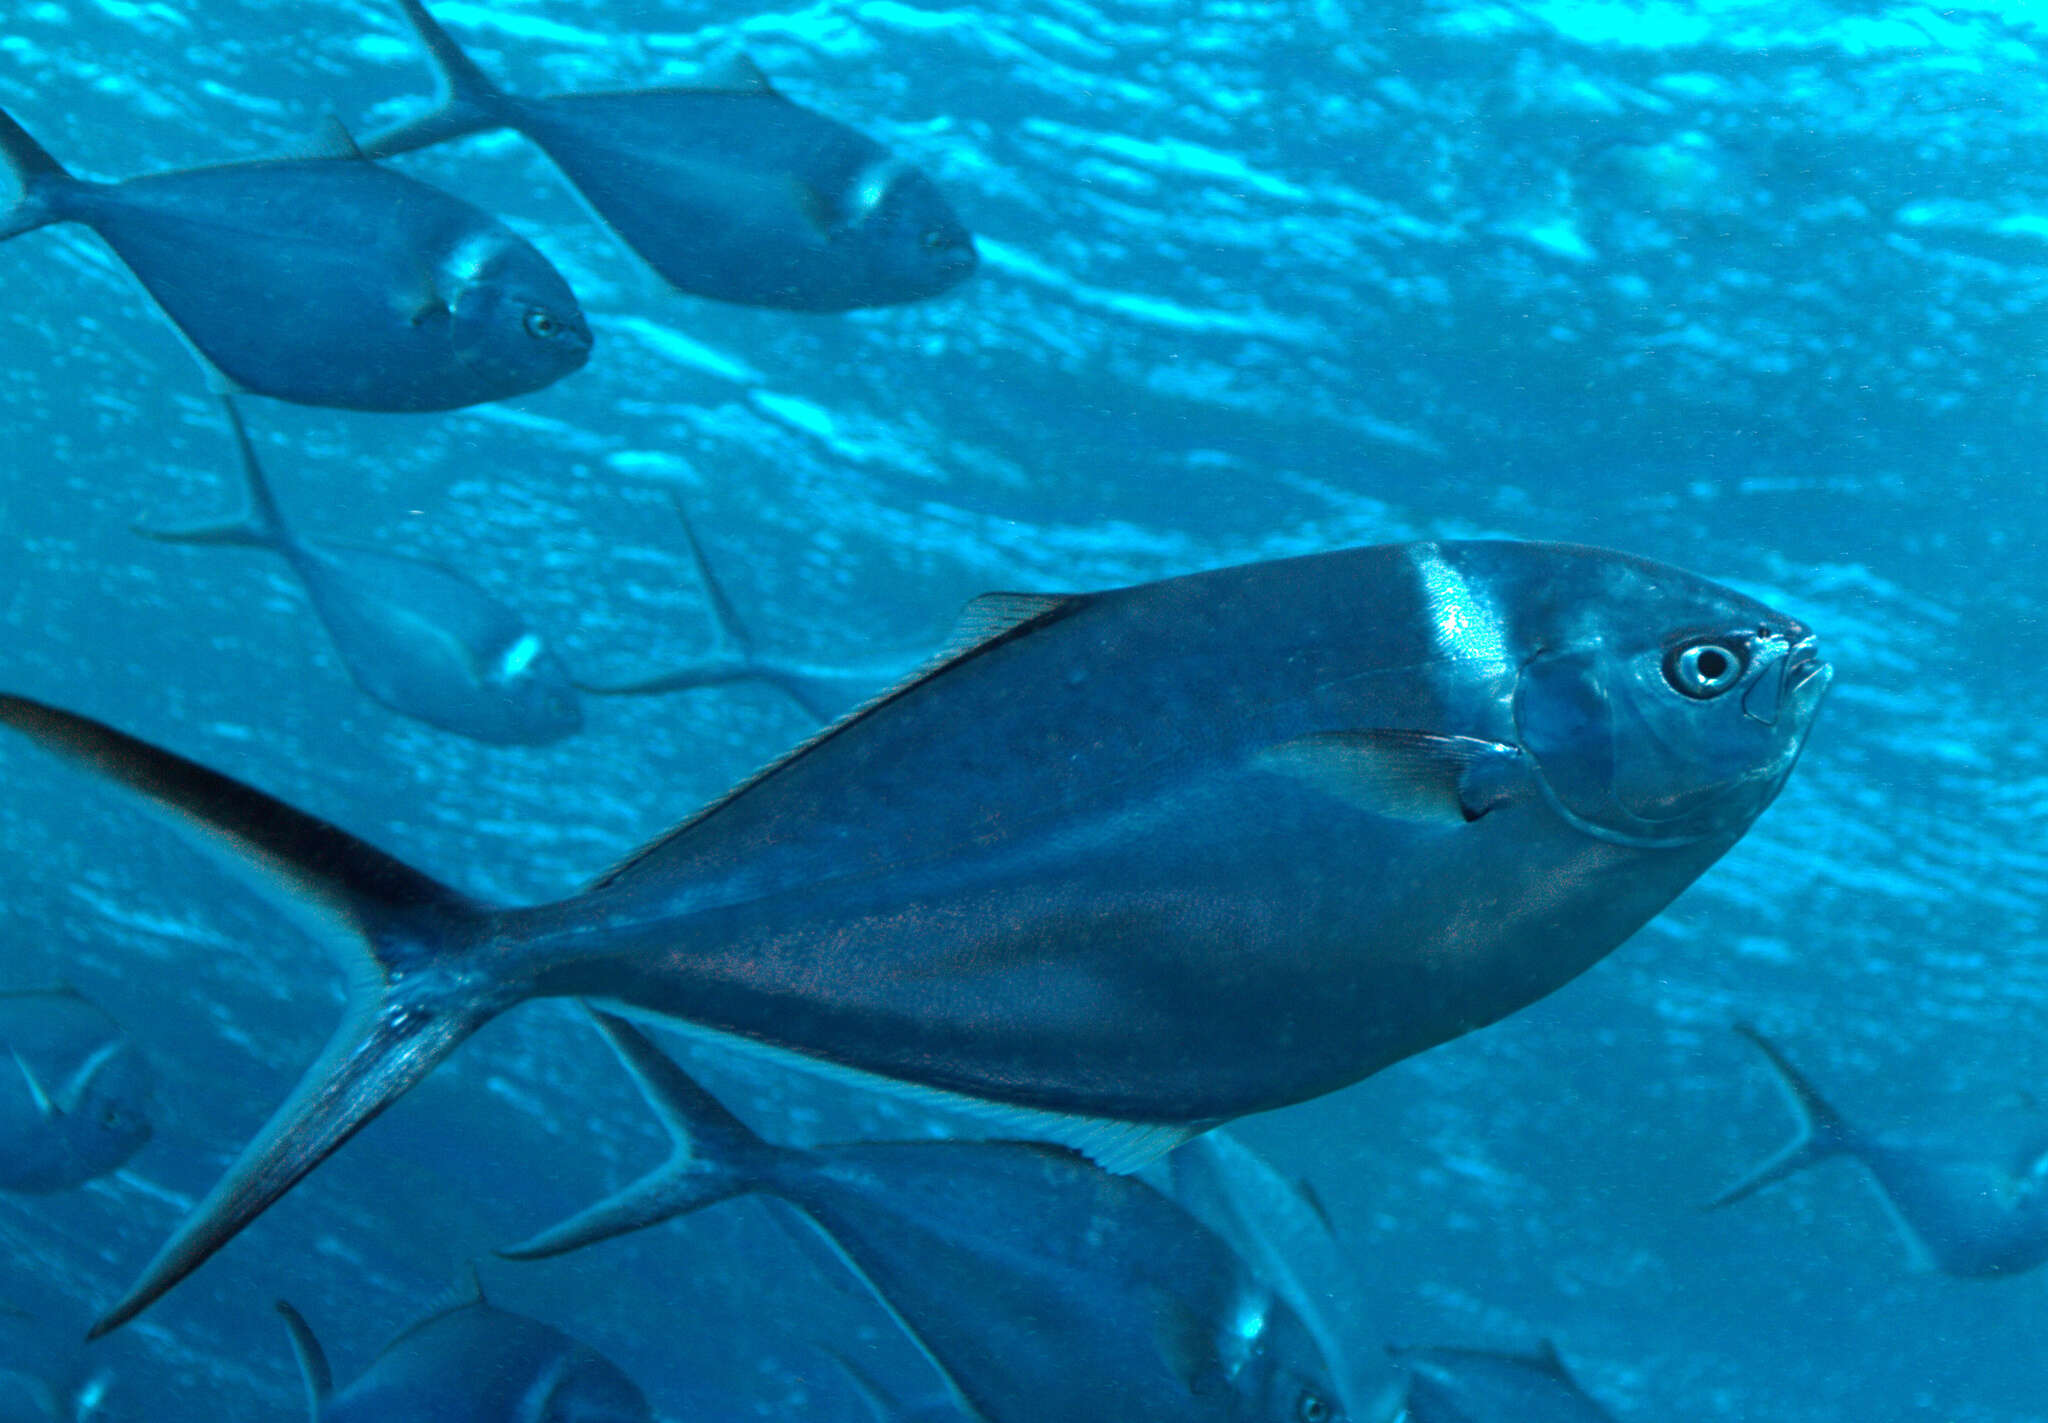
x,y
1755,288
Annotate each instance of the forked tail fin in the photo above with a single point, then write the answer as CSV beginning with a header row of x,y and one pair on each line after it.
x,y
413,949
714,1156
36,173
468,102
1820,1135
259,525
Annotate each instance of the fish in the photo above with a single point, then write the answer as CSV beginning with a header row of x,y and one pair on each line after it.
x,y
414,635
470,1363
1043,1288
725,188
1966,1211
1482,1386
1122,867
76,1106
323,280
1280,1229
822,689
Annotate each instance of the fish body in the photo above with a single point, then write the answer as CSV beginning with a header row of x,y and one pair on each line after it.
x,y
1970,1213
1136,862
728,190
324,281
414,635
474,1363
75,1099
1045,1289
1481,1386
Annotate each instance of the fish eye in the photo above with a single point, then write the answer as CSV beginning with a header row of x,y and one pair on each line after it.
x,y
935,239
542,326
1704,670
1312,1407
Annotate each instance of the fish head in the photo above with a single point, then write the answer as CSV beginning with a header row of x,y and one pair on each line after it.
x,y
916,245
514,321
1659,708
536,694
1290,1381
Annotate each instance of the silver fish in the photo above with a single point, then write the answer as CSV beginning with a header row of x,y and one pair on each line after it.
x,y
724,187
1043,1288
76,1100
415,636
1129,864
1967,1212
323,280
471,1363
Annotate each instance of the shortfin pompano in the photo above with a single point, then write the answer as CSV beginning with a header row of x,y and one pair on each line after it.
x,y
984,623
314,1371
46,1108
1415,776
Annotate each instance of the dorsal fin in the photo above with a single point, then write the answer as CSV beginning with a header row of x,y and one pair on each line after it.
x,y
465,1291
986,622
735,73
331,139
1551,1362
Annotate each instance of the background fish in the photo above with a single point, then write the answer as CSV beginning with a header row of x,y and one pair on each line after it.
x,y
1045,1289
725,188
1279,1229
1481,1386
74,1104
323,281
1965,1211
472,1363
416,636
1016,882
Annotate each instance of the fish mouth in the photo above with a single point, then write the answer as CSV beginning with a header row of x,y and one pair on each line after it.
x,y
1797,682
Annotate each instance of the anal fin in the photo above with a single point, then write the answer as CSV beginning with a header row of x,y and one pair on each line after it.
x,y
1119,1147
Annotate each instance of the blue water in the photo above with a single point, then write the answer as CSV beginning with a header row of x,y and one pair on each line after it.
x,y
1754,288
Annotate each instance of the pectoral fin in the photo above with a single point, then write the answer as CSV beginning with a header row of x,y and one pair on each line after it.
x,y
1187,1344
1417,776
46,1108
818,210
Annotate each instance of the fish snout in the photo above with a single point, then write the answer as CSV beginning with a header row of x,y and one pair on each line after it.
x,y
1796,684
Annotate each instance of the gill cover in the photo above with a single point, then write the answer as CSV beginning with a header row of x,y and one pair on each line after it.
x,y
1627,756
